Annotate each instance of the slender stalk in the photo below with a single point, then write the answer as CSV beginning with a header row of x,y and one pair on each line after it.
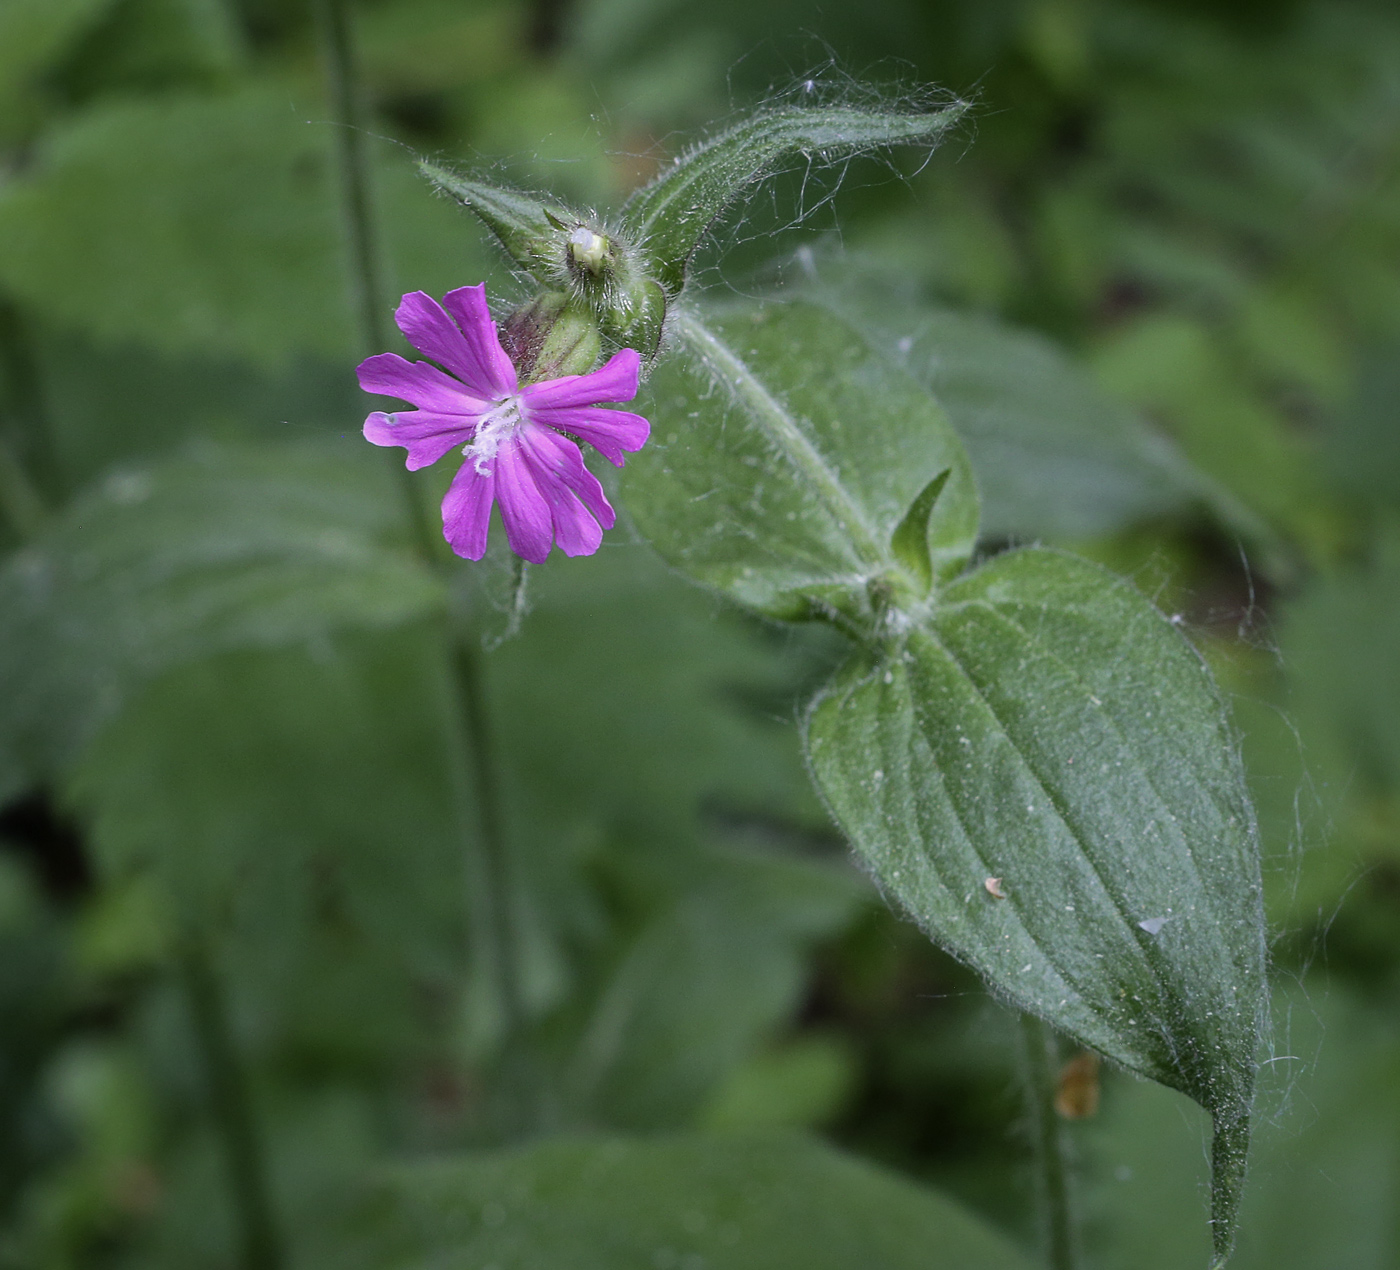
x,y
357,198
28,475
494,859
492,877
366,272
260,1246
1040,1061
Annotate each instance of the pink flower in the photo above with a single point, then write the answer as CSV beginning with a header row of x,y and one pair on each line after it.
x,y
518,441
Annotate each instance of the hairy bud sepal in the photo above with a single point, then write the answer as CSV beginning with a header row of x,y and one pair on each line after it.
x,y
552,336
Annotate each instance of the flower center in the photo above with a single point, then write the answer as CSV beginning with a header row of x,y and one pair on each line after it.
x,y
497,425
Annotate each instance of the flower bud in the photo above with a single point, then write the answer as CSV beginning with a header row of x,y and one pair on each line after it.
x,y
551,336
635,317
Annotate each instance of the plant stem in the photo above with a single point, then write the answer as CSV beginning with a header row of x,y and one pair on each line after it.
x,y
28,477
342,82
471,725
357,211
231,1108
1040,1062
494,858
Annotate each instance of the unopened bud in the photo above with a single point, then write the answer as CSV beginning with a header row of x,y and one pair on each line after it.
x,y
589,251
635,318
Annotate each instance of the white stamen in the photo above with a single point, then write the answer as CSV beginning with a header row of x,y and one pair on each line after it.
x,y
496,426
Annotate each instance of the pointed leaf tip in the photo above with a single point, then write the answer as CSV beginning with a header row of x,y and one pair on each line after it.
x,y
909,542
673,213
526,227
1047,727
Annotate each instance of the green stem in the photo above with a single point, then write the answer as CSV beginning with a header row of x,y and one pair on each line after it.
x,y
361,240
1040,1060
232,1112
495,864
342,82
28,476
492,880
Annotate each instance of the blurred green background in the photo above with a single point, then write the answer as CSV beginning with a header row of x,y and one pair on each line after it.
x,y
1199,203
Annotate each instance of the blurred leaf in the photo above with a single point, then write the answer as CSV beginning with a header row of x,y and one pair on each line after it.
x,y
673,213
731,1203
1363,438
1338,642
34,995
701,984
204,224
295,806
1049,732
221,549
801,1085
33,35
1324,1171
153,45
786,454
1177,370
660,704
1052,454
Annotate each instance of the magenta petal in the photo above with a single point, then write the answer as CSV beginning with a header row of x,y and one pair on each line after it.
x,y
425,435
575,530
524,509
557,462
429,329
466,511
467,305
418,383
615,381
607,431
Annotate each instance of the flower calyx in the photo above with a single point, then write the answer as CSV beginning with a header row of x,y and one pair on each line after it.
x,y
552,336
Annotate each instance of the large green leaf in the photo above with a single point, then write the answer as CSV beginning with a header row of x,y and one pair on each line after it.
x,y
208,225
700,984
671,215
1048,729
221,549
760,1202
787,455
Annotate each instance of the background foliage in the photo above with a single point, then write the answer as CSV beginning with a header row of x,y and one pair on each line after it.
x,y
226,756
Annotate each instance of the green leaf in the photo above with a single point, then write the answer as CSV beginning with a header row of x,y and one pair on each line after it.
x,y
33,35
909,542
671,215
1052,453
740,1202
520,222
701,985
218,550
206,225
787,453
1048,735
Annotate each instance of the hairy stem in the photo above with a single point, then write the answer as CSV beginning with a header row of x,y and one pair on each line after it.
x,y
1040,1062
232,1112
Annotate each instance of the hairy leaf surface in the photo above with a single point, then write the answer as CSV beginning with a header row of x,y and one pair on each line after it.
x,y
1042,774
671,215
787,455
